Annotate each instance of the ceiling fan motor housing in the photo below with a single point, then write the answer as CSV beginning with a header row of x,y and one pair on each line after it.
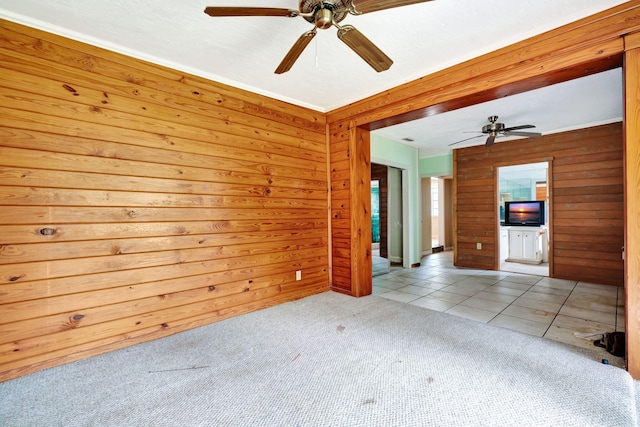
x,y
323,11
324,18
492,127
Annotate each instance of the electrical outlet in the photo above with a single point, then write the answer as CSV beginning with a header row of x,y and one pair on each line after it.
x,y
478,246
299,275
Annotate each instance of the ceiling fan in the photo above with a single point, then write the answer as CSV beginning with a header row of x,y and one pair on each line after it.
x,y
495,130
324,14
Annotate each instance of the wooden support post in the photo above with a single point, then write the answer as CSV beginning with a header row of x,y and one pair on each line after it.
x,y
360,158
632,200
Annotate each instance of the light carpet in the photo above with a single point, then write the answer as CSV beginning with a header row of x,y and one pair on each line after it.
x,y
331,360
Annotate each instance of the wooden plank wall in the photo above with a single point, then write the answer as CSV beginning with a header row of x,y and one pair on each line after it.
x,y
137,201
587,201
632,201
349,149
340,210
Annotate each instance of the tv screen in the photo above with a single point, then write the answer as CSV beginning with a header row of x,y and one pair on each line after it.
x,y
528,213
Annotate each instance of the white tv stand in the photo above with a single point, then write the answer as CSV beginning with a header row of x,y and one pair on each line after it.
x,y
527,244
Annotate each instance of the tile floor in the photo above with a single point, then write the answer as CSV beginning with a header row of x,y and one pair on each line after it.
x,y
561,310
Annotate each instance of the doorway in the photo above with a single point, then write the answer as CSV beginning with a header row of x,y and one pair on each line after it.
x,y
523,247
380,262
387,218
395,213
441,214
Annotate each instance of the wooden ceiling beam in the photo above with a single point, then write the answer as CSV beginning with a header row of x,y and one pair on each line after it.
x,y
581,48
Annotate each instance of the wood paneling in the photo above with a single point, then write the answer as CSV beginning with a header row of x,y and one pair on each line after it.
x,y
137,201
586,203
341,233
351,236
362,266
632,201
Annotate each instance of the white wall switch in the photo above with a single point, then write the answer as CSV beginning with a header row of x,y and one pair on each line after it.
x,y
299,275
478,246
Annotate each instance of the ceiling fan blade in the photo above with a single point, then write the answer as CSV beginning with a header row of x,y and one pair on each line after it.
x,y
517,133
364,48
463,140
295,51
518,128
250,11
490,140
368,6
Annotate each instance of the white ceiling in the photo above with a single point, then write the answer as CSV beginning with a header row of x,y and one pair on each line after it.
x,y
421,39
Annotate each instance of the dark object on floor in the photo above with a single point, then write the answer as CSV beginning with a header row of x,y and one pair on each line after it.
x,y
437,249
613,342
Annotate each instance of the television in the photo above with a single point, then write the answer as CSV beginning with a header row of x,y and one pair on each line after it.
x,y
526,213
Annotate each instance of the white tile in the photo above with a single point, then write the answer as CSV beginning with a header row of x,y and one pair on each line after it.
x,y
479,294
513,285
474,272
583,313
390,285
534,315
492,296
592,302
540,270
520,325
525,279
422,283
406,280
460,290
537,304
478,281
433,303
557,283
556,299
568,336
595,289
496,275
436,285
471,313
377,290
485,304
449,279
448,296
399,296
416,290
507,291
581,325
551,291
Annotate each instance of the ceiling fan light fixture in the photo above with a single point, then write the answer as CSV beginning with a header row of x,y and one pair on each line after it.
x,y
324,18
492,127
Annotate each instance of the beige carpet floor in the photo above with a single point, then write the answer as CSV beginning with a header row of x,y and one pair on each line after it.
x,y
331,360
